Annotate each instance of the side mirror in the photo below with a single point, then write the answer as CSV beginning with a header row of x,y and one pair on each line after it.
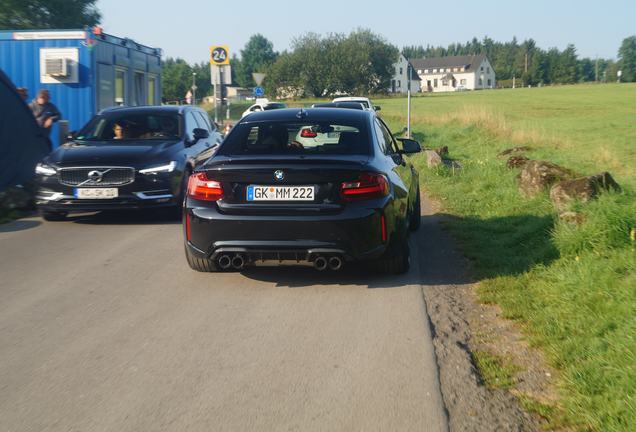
x,y
377,108
199,133
410,146
71,136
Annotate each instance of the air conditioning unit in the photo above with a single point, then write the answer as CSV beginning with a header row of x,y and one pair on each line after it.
x,y
56,67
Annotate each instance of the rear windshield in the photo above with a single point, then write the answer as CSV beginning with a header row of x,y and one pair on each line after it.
x,y
272,106
297,138
132,126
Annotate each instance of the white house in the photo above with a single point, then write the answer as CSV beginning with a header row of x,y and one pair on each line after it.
x,y
441,74
399,82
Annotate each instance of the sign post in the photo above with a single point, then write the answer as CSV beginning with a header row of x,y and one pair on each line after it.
x,y
219,69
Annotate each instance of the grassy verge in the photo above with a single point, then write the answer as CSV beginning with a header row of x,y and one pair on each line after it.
x,y
572,288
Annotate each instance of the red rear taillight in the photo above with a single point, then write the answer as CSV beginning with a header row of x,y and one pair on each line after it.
x,y
368,186
202,188
307,133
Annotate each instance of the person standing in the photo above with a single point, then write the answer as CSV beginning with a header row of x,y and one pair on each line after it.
x,y
45,113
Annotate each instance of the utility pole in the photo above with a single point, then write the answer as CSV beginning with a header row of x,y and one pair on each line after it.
x,y
408,116
194,89
596,70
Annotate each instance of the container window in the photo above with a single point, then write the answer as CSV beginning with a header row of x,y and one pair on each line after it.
x,y
139,89
120,87
152,85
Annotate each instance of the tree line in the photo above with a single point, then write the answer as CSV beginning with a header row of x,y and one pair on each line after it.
x,y
532,65
362,63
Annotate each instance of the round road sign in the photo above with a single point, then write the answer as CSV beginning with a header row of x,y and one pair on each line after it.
x,y
259,91
219,55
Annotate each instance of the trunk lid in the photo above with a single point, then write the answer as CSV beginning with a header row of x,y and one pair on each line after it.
x,y
324,173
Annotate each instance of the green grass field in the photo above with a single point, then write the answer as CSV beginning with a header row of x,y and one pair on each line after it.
x,y
571,288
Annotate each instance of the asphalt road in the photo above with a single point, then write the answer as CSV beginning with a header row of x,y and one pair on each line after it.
x,y
103,327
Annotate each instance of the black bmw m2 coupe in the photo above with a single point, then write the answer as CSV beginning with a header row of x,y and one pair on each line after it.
x,y
318,186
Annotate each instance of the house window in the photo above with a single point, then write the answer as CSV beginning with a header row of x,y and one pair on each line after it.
x,y
434,70
487,70
435,83
489,82
400,71
462,81
399,83
444,82
419,71
482,68
480,82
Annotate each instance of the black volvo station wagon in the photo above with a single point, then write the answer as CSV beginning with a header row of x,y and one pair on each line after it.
x,y
319,186
126,158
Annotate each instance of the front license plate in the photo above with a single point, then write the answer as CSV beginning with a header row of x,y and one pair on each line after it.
x,y
95,193
280,193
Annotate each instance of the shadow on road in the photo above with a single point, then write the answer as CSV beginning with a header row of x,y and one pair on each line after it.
x,y
507,246
353,274
128,217
19,225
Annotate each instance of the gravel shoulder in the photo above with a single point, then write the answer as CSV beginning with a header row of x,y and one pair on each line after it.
x,y
455,316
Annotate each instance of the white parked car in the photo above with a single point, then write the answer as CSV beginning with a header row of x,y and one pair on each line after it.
x,y
366,103
263,106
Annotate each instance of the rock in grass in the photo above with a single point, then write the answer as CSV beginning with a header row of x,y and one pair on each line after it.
x,y
571,217
442,151
582,189
514,150
517,161
433,159
537,176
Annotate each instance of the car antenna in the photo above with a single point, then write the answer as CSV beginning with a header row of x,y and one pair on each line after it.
x,y
302,113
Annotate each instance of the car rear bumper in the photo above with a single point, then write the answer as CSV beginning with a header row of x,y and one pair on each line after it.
x,y
354,235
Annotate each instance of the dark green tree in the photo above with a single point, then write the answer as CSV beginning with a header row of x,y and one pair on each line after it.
x,y
627,59
48,14
176,79
257,56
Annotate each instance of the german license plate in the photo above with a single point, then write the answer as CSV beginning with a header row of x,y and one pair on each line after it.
x,y
96,193
280,193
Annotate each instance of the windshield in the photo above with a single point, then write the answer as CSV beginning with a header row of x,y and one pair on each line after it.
x,y
132,126
304,138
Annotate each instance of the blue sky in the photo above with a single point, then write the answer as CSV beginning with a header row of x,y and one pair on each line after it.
x,y
187,28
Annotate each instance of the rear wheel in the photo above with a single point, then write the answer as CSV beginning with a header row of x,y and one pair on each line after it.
x,y
397,260
53,216
415,217
200,264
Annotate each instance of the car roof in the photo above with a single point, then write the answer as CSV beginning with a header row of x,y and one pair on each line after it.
x,y
344,104
317,114
149,108
351,99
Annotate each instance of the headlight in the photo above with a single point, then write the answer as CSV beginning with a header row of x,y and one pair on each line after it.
x,y
44,169
169,167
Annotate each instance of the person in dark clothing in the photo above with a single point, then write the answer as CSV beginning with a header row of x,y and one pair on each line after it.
x,y
24,93
45,112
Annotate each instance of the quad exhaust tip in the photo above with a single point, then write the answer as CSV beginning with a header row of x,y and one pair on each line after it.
x,y
238,262
320,263
225,262
335,263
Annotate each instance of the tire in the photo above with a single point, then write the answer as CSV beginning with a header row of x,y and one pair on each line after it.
x,y
415,218
53,216
200,264
397,261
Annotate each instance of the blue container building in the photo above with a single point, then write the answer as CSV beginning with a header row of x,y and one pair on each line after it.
x,y
84,71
